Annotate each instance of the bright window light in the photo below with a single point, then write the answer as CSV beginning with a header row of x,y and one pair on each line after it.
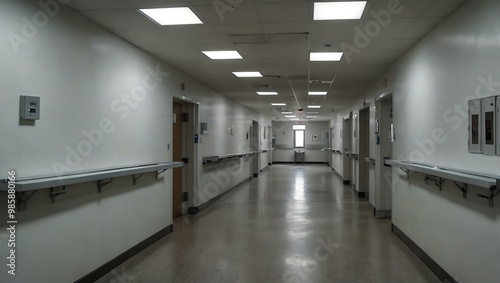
x,y
313,106
326,56
290,116
287,113
299,138
172,16
267,93
317,93
222,55
338,10
278,104
247,74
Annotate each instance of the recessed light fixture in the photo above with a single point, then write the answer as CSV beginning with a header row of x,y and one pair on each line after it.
x,y
339,10
172,16
294,119
314,106
317,93
247,74
286,113
278,104
267,93
222,55
290,116
312,117
326,56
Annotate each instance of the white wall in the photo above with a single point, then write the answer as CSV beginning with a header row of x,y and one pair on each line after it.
x,y
429,83
284,151
85,75
218,178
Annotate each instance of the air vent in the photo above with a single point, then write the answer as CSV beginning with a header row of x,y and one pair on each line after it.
x,y
319,82
248,38
288,37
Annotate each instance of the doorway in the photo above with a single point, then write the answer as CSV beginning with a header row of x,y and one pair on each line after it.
x,y
346,156
364,152
382,201
255,145
177,131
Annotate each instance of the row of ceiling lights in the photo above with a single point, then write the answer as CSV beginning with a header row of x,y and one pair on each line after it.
x,y
322,11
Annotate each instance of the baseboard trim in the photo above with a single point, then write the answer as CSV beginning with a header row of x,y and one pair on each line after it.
x,y
444,276
198,209
114,263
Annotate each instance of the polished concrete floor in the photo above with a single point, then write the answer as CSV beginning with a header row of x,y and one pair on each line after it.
x,y
294,223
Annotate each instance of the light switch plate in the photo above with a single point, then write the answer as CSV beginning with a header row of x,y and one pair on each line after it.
x,y
30,107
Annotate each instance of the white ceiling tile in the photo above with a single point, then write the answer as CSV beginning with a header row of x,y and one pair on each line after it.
x,y
120,19
242,14
284,12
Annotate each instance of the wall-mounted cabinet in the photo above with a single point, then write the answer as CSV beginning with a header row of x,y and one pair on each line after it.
x,y
475,125
488,110
484,125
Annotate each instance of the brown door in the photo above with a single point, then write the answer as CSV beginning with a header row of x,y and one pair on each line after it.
x,y
177,156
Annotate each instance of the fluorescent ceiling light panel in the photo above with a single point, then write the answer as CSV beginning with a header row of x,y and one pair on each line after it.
x,y
290,116
339,10
247,74
317,93
313,106
326,56
294,119
222,55
172,16
278,104
312,112
287,113
267,93
312,117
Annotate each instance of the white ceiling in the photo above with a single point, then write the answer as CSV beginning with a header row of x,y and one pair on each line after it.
x,y
283,33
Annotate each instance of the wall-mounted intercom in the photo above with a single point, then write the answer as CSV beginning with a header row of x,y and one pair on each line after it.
x,y
488,110
475,126
30,107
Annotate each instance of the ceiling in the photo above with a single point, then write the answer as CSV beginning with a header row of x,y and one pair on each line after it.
x,y
274,37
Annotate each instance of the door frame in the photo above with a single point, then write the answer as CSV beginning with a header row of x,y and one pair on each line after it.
x,y
364,151
382,200
347,148
255,145
190,151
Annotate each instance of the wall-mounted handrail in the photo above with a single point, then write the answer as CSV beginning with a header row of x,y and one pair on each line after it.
x,y
490,182
219,158
44,182
103,178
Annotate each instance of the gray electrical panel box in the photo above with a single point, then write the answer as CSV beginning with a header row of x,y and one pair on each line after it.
x,y
498,123
475,126
488,110
30,107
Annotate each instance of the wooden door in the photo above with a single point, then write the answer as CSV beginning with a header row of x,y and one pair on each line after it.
x,y
177,156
